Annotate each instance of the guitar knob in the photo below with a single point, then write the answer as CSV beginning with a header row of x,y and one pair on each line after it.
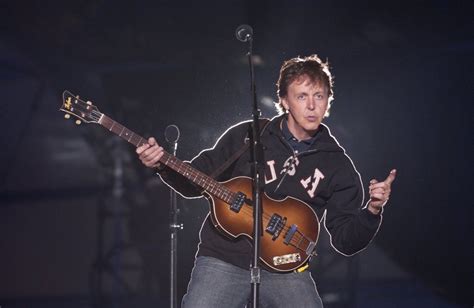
x,y
67,116
78,122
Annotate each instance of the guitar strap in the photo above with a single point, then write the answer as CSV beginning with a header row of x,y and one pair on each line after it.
x,y
236,155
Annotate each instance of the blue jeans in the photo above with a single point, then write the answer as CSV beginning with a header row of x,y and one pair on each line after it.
x,y
215,283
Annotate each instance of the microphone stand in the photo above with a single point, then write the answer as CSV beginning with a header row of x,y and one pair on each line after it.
x,y
258,184
174,225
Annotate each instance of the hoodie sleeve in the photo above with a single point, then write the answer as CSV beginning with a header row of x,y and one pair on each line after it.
x,y
207,161
350,226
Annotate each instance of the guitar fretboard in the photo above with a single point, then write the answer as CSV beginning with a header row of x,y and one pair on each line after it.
x,y
200,179
122,131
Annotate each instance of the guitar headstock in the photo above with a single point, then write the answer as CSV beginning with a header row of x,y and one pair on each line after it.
x,y
82,110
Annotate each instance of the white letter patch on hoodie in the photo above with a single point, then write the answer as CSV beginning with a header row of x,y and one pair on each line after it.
x,y
317,176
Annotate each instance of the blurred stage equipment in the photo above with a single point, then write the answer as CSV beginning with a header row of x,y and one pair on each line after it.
x,y
111,269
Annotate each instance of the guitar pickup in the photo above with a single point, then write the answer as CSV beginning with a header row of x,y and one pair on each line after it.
x,y
275,225
238,202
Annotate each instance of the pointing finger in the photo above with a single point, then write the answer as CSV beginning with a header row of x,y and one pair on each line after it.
x,y
391,177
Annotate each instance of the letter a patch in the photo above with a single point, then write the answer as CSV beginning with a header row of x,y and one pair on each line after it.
x,y
314,180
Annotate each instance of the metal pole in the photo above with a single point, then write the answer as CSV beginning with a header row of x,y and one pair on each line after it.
x,y
172,136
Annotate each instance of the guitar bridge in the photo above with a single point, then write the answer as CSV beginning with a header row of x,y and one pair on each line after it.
x,y
289,235
238,202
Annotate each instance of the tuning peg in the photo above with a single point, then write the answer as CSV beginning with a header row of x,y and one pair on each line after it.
x,y
78,122
67,116
89,103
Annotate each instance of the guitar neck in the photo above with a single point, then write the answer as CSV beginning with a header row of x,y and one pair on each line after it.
x,y
122,131
195,176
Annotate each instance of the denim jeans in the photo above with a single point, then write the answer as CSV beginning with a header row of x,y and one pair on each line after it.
x,y
215,283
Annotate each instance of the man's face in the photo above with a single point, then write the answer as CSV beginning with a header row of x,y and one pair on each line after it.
x,y
307,103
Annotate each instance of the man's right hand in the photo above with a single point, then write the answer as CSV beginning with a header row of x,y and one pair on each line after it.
x,y
150,153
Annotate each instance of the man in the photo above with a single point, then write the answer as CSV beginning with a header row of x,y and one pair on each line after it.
x,y
302,160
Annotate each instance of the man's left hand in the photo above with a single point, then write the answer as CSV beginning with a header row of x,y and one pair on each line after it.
x,y
380,192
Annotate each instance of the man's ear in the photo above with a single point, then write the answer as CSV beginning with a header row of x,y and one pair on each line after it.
x,y
284,103
328,109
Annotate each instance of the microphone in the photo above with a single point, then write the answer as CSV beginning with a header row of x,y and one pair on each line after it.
x,y
172,133
244,33
172,136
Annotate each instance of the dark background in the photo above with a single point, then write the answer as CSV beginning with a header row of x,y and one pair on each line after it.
x,y
403,99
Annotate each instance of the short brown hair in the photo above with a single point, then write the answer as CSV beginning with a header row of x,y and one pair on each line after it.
x,y
311,66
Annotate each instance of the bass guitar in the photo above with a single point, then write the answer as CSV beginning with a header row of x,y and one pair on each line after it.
x,y
291,227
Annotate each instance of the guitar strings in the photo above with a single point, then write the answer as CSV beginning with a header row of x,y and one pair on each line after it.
x,y
227,195
298,236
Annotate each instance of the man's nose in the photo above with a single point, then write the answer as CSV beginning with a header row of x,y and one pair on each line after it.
x,y
311,104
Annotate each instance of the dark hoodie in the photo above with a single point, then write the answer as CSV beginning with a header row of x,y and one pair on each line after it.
x,y
322,176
